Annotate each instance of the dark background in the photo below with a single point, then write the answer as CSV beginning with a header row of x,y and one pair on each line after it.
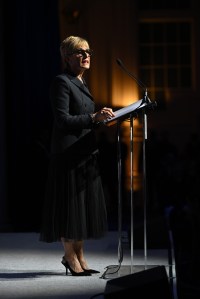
x,y
30,34
29,59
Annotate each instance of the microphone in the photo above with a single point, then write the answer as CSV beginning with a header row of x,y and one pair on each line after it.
x,y
120,63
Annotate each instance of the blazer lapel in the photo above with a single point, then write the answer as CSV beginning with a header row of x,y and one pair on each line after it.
x,y
80,85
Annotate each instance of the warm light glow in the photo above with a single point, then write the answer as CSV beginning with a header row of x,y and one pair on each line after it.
x,y
124,92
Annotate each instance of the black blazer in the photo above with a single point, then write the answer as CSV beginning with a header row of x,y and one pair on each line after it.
x,y
72,105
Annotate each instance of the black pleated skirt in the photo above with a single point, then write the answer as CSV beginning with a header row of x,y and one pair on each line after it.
x,y
74,205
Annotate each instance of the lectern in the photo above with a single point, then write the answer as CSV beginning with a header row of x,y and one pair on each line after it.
x,y
129,113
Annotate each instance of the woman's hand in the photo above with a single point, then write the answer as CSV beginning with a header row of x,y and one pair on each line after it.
x,y
103,114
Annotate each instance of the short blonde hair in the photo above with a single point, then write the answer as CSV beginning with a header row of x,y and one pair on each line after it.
x,y
71,43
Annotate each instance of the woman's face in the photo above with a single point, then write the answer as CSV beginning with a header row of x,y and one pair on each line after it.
x,y
79,59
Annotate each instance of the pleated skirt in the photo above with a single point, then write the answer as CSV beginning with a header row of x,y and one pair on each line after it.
x,y
74,206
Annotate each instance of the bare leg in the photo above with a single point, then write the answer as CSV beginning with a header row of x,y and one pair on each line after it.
x,y
75,257
78,248
70,255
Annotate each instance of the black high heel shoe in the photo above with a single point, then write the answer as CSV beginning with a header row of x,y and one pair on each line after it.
x,y
91,271
74,273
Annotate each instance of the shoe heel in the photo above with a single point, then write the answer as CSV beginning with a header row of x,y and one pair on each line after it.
x,y
67,267
67,272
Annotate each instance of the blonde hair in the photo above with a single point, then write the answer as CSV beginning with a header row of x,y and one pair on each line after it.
x,y
71,43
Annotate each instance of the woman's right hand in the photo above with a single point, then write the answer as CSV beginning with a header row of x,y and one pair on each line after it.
x,y
103,114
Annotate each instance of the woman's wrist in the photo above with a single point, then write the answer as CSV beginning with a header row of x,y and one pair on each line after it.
x,y
92,115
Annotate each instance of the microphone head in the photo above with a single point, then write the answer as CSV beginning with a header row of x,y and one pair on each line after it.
x,y
119,61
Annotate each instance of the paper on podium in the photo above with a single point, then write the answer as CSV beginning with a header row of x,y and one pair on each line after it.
x,y
124,112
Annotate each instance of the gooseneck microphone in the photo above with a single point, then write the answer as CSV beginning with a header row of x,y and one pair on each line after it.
x,y
120,63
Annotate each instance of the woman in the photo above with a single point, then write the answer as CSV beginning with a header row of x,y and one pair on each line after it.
x,y
75,207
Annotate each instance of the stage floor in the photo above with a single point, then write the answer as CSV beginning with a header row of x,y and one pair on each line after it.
x,y
32,269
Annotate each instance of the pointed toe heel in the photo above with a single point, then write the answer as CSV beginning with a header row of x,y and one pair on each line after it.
x,y
91,271
74,273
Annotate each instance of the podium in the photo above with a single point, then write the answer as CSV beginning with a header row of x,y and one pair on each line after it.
x,y
129,113
125,112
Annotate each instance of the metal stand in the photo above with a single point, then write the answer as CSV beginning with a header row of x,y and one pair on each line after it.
x,y
131,188
144,184
120,252
130,269
144,190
